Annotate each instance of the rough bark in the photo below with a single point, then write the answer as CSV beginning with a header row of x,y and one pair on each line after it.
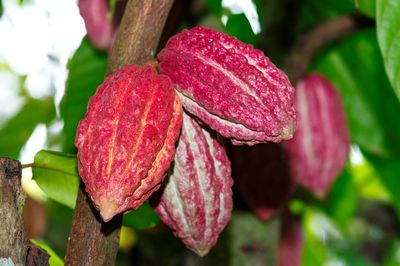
x,y
14,244
91,241
13,240
139,32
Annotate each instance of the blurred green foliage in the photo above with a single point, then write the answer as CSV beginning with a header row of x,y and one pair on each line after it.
x,y
388,27
355,66
17,130
87,69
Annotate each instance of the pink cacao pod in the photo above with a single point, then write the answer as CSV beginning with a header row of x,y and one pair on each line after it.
x,y
319,148
196,203
291,240
100,28
262,177
126,141
230,86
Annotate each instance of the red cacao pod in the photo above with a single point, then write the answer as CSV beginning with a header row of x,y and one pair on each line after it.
x,y
197,199
262,177
230,86
126,141
319,148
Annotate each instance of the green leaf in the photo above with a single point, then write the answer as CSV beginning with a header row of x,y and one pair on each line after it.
x,y
86,72
314,11
240,27
18,129
388,170
368,7
342,201
324,243
393,256
143,217
355,67
368,183
388,28
54,259
215,6
1,8
57,175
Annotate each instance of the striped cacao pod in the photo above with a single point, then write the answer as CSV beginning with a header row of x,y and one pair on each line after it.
x,y
126,140
230,86
196,202
319,148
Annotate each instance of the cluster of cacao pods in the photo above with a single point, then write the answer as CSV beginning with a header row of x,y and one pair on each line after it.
x,y
135,122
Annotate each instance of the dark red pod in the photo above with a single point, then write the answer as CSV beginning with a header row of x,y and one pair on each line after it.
x,y
230,86
196,202
126,140
262,177
319,148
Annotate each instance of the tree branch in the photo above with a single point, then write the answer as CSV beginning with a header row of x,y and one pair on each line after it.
x,y
310,43
14,244
91,241
13,240
139,32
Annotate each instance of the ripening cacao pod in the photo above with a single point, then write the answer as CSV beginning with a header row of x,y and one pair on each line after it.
x,y
126,140
319,148
100,27
262,177
230,86
196,202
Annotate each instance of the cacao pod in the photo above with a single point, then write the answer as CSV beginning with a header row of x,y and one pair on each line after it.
x,y
100,28
262,177
230,86
319,148
126,140
196,202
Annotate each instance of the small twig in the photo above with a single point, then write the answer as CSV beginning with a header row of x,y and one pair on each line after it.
x,y
31,165
310,43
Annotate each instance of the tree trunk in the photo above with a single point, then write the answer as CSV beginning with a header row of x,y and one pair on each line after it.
x,y
15,248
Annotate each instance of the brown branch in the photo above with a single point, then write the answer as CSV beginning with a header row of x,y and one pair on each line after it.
x,y
91,241
14,244
13,240
139,32
310,43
